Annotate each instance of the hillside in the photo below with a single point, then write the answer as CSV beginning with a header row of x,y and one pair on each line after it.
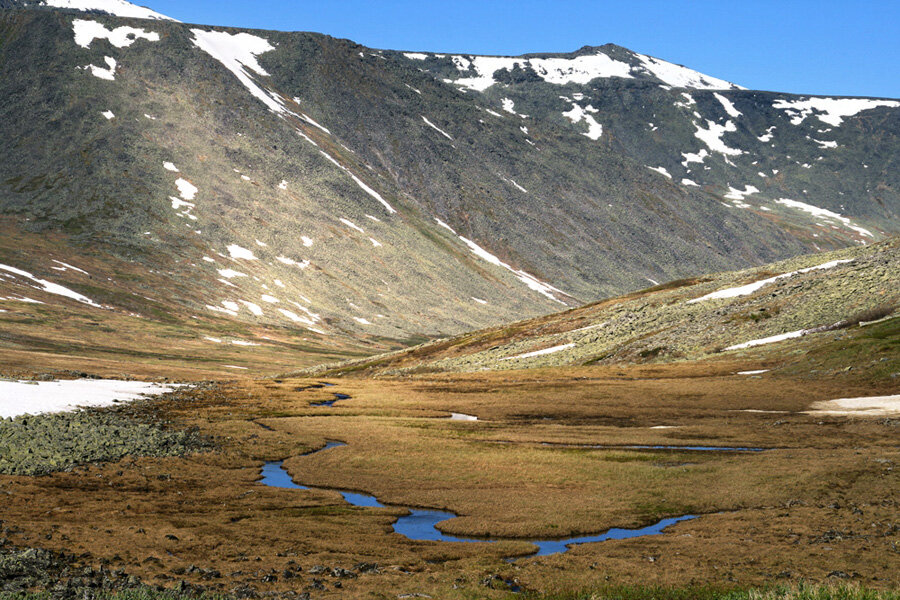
x,y
251,185
730,316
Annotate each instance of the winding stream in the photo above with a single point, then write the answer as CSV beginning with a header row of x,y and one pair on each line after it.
x,y
331,402
420,524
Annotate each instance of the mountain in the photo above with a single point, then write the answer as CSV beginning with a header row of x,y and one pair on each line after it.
x,y
260,184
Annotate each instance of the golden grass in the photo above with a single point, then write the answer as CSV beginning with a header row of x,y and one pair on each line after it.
x,y
764,514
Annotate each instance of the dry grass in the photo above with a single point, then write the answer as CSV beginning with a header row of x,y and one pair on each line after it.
x,y
764,513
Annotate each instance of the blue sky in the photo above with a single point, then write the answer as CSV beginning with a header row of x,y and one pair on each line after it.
x,y
802,46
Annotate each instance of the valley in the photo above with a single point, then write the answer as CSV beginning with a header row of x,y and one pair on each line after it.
x,y
350,322
780,492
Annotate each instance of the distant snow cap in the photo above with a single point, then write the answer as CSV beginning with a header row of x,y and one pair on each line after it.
x,y
559,71
829,110
120,37
682,77
119,8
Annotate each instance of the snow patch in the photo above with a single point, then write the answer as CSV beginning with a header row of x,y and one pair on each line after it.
x,y
109,115
253,308
824,213
34,398
829,110
238,53
436,128
661,170
558,71
120,37
552,350
290,261
462,417
231,273
50,287
767,137
178,203
531,281
358,181
68,266
690,157
769,340
728,106
736,194
578,114
746,290
712,137
119,8
170,167
682,77
826,144
108,74
236,251
352,225
186,189
872,406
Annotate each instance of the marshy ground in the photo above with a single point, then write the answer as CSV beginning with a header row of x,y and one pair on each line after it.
x,y
820,504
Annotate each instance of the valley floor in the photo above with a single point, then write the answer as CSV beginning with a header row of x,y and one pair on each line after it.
x,y
551,455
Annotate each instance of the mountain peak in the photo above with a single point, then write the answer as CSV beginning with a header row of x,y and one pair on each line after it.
x,y
117,8
586,64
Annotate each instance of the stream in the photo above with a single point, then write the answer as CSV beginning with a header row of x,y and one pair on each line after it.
x,y
420,524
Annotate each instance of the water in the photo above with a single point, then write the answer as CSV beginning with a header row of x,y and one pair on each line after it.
x,y
331,402
546,547
640,447
698,448
327,446
274,475
420,524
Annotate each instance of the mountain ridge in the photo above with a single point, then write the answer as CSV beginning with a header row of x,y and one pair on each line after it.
x,y
528,204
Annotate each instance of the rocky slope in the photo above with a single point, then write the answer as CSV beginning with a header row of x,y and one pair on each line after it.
x,y
367,197
732,315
